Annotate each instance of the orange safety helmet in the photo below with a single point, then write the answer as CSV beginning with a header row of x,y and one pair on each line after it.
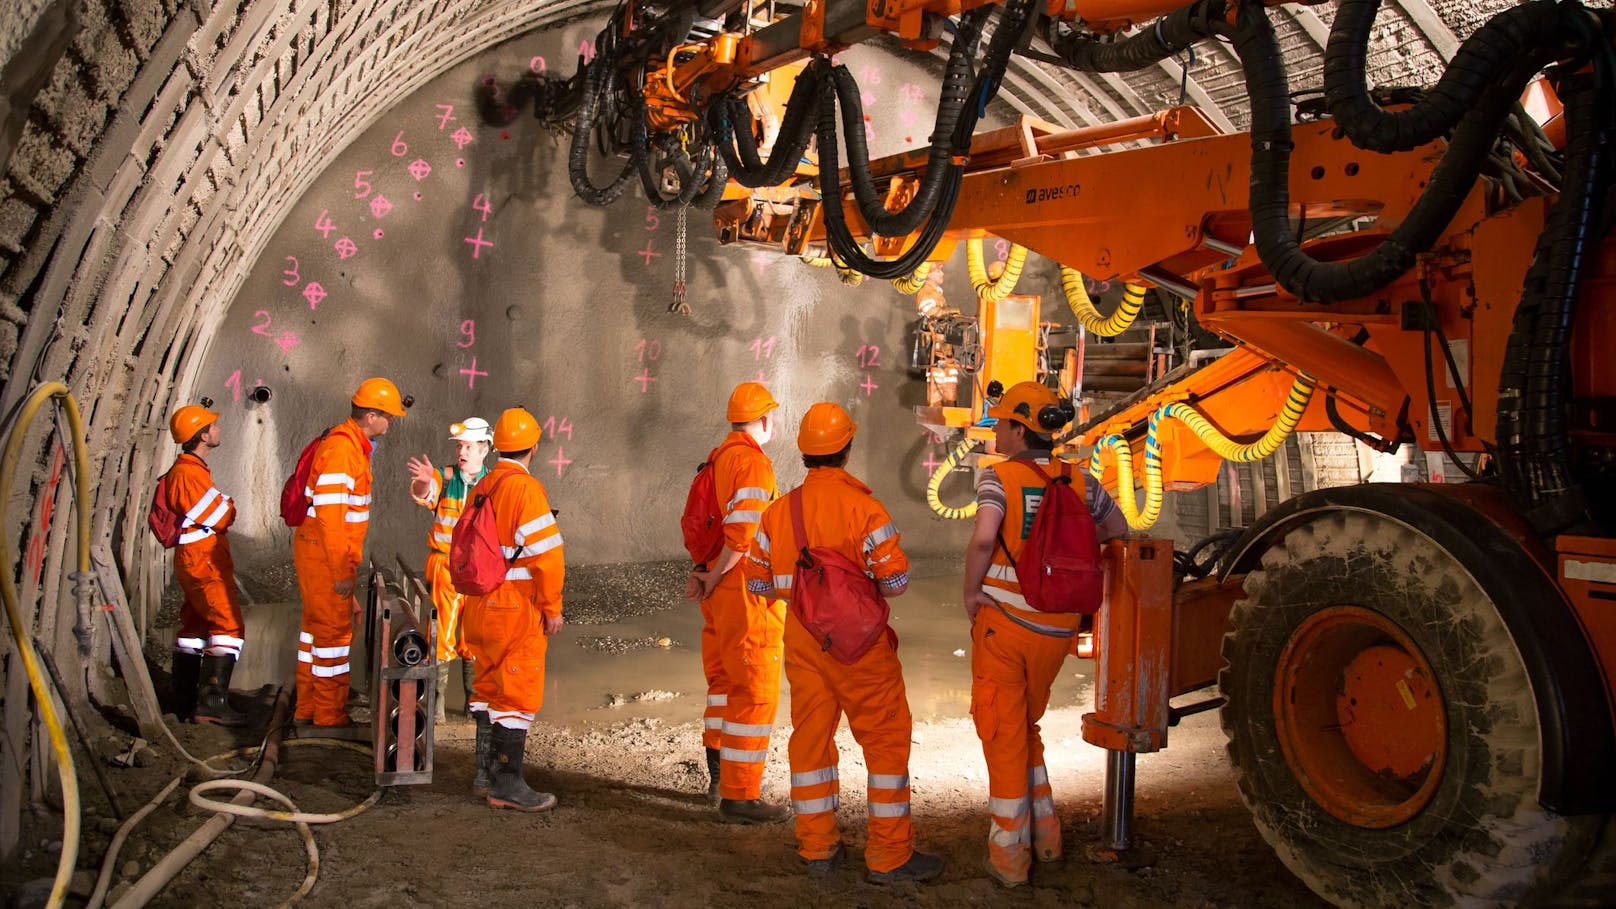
x,y
382,395
1033,405
749,401
188,421
516,430
826,429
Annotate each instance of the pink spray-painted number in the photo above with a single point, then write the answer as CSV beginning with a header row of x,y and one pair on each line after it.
x,y
447,117
869,356
261,328
652,222
399,148
482,205
536,65
323,224
468,332
291,273
763,348
649,350
360,184
556,428
234,384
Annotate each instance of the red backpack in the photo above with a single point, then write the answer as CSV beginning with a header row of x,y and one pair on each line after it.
x,y
295,491
165,522
1060,568
477,564
702,523
834,599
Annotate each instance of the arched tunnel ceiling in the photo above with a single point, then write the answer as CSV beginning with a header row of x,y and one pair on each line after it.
x,y
151,148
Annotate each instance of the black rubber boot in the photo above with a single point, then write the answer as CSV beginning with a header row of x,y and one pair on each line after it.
x,y
468,670
485,729
213,699
187,671
509,790
752,811
920,867
443,690
713,765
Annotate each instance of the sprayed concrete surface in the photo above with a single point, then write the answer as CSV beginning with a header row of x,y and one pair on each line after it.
x,y
632,827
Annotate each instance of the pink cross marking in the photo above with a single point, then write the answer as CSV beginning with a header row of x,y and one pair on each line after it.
x,y
462,137
314,293
931,463
419,169
477,244
646,253
472,373
560,460
645,379
345,247
868,385
380,206
287,341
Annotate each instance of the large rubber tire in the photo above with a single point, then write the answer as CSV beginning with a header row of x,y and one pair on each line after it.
x,y
1482,840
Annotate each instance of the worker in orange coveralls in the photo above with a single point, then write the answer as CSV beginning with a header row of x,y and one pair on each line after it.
x,y
507,632
444,490
741,635
840,513
1016,651
327,547
210,634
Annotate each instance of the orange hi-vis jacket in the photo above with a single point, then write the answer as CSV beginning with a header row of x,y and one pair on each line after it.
x,y
744,479
339,495
503,631
1017,490
450,487
839,513
210,618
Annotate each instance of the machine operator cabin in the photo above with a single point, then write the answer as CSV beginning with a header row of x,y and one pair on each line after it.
x,y
684,453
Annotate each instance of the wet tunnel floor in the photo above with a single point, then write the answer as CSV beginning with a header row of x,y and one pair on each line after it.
x,y
633,829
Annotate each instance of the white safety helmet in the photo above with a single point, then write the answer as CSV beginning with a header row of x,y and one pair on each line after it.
x,y
475,429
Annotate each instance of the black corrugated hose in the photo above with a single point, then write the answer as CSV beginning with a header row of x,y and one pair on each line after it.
x,y
598,78
844,246
730,122
1525,31
1533,447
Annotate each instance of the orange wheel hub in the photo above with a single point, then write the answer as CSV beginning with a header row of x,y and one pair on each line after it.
x,y
1360,717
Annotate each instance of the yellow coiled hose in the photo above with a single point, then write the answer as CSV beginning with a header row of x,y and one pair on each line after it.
x,y
989,291
935,500
914,282
1077,297
852,277
1295,405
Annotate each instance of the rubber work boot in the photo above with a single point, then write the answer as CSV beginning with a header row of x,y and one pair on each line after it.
x,y
213,698
187,671
920,867
828,864
752,811
713,764
443,690
468,671
509,790
485,729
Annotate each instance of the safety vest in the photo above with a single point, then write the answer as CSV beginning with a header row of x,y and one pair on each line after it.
x,y
447,500
1023,492
191,493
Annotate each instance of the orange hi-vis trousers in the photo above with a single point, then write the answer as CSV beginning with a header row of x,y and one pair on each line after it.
x,y
712,666
449,603
872,695
745,649
503,634
1012,669
324,639
210,615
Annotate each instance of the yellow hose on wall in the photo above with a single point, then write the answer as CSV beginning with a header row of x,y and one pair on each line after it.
x,y
914,282
852,277
935,500
1295,405
24,639
1077,297
989,291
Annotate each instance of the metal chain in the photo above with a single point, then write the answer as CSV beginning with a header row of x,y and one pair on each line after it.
x,y
679,305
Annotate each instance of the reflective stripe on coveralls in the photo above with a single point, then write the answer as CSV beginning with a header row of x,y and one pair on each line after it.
x,y
742,654
210,614
503,632
840,513
326,548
